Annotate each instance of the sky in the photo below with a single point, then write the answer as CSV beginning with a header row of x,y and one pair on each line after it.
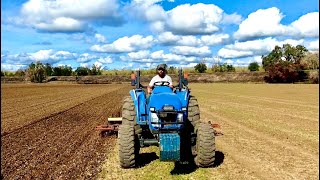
x,y
140,34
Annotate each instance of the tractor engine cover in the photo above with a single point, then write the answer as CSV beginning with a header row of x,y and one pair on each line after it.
x,y
169,147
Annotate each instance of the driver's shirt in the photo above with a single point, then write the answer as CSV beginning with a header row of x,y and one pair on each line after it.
x,y
158,78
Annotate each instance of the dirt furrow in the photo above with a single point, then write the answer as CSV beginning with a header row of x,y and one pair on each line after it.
x,y
62,146
264,156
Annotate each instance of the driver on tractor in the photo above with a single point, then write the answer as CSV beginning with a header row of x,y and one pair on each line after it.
x,y
161,76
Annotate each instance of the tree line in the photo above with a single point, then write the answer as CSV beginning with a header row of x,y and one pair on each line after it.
x,y
286,64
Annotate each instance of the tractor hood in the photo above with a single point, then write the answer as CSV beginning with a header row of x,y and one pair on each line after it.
x,y
165,99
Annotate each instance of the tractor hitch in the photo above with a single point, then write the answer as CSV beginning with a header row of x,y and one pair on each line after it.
x,y
216,128
111,127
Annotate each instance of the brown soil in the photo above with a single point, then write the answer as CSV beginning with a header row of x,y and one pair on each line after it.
x,y
60,143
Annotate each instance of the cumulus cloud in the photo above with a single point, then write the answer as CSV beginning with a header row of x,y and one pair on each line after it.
x,y
68,16
313,45
100,38
306,26
85,57
125,44
191,51
139,55
263,22
157,57
167,38
194,19
231,18
216,39
254,47
266,22
184,19
45,56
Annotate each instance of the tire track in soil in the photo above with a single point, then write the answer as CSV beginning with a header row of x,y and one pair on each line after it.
x,y
62,146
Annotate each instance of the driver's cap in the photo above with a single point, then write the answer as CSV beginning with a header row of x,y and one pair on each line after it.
x,y
162,66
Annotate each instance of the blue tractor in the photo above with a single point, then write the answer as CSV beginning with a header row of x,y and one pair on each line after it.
x,y
169,119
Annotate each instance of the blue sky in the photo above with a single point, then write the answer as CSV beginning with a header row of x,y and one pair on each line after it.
x,y
118,34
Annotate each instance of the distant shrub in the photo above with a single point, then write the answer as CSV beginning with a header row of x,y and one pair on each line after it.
x,y
82,71
201,67
20,73
254,66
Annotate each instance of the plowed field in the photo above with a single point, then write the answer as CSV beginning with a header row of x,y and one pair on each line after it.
x,y
48,130
270,132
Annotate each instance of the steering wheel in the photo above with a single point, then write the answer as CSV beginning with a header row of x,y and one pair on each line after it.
x,y
161,83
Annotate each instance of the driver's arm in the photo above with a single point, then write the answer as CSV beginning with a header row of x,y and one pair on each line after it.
x,y
170,81
149,88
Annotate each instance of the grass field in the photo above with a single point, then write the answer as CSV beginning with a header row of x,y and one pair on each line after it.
x,y
271,131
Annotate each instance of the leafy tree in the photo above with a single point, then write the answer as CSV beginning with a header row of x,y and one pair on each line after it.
x,y
2,73
66,70
215,68
201,67
82,71
230,68
95,70
254,66
311,61
56,71
20,73
48,69
172,70
36,72
284,64
62,71
223,68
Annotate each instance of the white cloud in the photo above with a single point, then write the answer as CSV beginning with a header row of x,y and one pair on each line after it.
x,y
184,19
100,38
230,53
125,44
62,24
139,55
12,67
215,39
105,60
41,55
307,25
45,56
146,10
266,22
85,65
254,47
85,57
313,45
67,16
191,51
167,38
263,22
194,19
231,19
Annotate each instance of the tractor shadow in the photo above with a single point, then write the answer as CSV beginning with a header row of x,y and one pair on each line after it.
x,y
146,158
187,168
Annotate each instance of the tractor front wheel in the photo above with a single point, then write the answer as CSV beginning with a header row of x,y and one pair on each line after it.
x,y
129,114
193,111
205,145
128,146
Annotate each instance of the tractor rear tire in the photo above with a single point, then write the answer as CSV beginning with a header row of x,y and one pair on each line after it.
x,y
129,114
205,145
128,146
193,111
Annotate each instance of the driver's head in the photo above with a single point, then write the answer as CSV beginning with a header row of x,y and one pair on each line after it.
x,y
161,70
